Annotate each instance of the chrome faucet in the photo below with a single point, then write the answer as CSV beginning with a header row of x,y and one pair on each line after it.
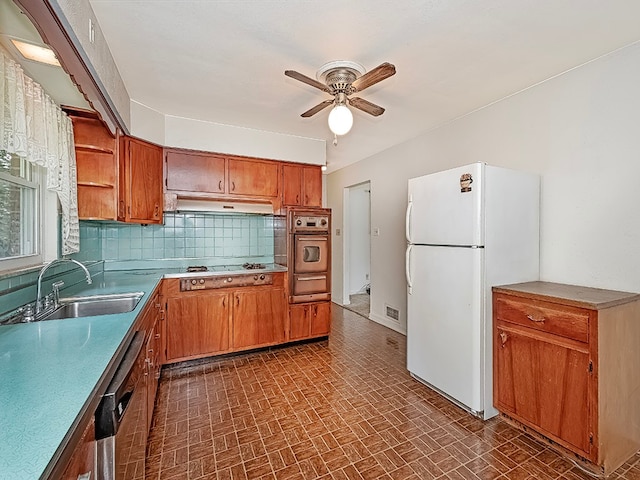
x,y
45,268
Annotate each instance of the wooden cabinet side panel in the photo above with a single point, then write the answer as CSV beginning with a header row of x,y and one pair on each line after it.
x,y
82,460
618,374
252,177
192,172
312,186
197,325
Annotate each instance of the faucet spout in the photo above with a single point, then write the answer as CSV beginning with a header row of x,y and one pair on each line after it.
x,y
46,267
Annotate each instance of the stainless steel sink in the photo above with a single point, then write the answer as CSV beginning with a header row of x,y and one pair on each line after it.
x,y
95,305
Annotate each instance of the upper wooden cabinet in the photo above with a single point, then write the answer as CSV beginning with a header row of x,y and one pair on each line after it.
x,y
140,169
96,167
257,178
202,174
195,172
119,178
301,185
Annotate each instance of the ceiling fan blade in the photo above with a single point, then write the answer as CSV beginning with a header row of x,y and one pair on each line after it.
x,y
317,108
304,79
365,106
376,75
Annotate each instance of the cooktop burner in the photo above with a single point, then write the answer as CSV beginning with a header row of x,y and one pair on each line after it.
x,y
197,268
253,266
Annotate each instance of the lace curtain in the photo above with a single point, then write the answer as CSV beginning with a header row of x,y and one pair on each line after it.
x,y
32,126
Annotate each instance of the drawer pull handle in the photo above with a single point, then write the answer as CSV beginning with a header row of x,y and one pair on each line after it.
x,y
503,338
537,320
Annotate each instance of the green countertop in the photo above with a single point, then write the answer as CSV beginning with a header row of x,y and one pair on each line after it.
x,y
49,371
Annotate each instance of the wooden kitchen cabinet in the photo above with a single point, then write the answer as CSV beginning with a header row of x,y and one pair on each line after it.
x,y
140,170
301,185
258,317
206,175
195,172
96,167
197,324
309,320
255,178
565,366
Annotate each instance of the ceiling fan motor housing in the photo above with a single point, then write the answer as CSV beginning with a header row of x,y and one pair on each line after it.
x,y
339,76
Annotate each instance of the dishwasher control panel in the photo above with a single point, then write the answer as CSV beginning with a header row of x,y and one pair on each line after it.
x,y
221,281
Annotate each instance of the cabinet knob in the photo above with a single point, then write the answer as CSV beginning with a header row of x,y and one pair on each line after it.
x,y
534,319
503,338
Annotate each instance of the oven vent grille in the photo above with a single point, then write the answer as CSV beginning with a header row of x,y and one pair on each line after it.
x,y
393,313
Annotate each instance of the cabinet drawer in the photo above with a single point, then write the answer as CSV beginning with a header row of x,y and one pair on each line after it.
x,y
547,317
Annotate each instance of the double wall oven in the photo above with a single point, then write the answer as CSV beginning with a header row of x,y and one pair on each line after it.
x,y
309,255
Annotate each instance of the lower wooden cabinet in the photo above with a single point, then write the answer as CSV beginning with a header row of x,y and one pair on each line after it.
x,y
197,324
308,320
201,323
258,317
566,366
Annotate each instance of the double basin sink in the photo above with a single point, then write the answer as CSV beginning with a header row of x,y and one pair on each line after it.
x,y
75,307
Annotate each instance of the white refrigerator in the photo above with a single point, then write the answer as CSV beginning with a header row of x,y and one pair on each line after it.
x,y
467,229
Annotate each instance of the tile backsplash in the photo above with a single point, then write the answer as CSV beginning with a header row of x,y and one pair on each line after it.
x,y
210,238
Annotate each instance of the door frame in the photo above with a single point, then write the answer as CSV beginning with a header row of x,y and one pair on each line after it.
x,y
346,237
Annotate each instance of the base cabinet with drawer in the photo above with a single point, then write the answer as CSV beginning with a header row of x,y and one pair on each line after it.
x,y
566,366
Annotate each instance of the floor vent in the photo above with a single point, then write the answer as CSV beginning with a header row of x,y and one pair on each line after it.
x,y
393,313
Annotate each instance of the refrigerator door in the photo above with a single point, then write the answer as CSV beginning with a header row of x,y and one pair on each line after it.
x,y
445,208
445,324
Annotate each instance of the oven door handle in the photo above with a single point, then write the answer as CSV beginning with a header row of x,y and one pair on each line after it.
x,y
312,238
306,279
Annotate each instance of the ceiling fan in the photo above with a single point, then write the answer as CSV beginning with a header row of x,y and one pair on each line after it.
x,y
341,79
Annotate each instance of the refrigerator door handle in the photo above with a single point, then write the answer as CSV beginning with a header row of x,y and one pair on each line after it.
x,y
407,267
408,221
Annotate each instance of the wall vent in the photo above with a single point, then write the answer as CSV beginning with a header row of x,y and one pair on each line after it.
x,y
393,313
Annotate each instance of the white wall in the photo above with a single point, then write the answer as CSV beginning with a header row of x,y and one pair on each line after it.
x,y
579,131
359,237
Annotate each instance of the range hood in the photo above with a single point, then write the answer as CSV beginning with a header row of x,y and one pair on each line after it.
x,y
219,206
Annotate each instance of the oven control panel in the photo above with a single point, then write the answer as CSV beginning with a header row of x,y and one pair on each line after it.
x,y
310,223
221,281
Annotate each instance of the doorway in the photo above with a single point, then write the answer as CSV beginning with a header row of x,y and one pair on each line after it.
x,y
357,258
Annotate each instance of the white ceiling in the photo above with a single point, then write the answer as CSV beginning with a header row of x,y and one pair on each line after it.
x,y
223,60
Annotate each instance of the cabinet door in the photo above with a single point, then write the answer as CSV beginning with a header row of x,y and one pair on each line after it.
x,y
291,185
312,186
143,181
320,318
258,317
300,322
192,172
197,325
544,381
253,178
150,373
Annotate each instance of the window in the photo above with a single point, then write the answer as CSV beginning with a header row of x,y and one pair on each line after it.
x,y
20,212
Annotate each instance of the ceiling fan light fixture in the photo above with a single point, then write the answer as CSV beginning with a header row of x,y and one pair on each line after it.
x,y
340,119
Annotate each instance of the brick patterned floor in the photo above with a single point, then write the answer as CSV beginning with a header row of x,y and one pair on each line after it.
x,y
342,409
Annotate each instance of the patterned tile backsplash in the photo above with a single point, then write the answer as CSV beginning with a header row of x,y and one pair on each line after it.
x,y
184,239
211,238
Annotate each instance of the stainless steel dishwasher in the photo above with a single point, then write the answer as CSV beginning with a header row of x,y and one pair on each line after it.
x,y
121,419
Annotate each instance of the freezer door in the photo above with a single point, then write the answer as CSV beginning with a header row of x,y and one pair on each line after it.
x,y
445,208
445,321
